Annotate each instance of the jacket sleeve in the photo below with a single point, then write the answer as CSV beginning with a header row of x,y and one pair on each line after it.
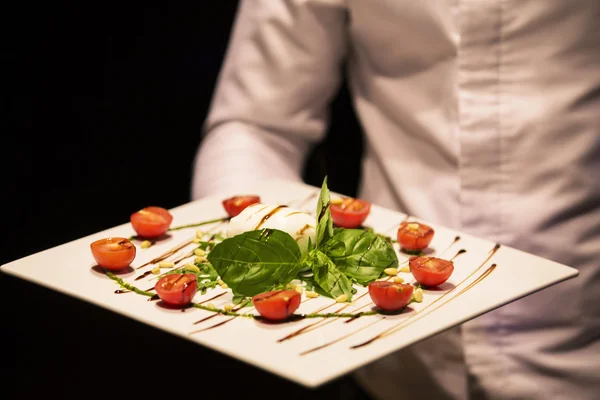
x,y
270,104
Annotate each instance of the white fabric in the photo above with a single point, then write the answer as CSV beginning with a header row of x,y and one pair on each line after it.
x,y
483,116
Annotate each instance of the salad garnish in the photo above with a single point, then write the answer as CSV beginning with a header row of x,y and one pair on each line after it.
x,y
264,260
268,269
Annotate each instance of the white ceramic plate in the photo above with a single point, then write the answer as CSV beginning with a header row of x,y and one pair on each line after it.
x,y
483,280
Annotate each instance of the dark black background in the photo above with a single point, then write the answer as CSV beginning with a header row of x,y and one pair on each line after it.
x,y
102,107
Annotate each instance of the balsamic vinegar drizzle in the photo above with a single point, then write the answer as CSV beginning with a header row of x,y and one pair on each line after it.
x,y
458,253
476,281
301,329
212,298
180,259
269,215
234,310
307,328
314,326
341,337
422,313
165,255
213,326
456,239
142,276
222,322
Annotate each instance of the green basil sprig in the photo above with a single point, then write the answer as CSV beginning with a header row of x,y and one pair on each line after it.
x,y
259,261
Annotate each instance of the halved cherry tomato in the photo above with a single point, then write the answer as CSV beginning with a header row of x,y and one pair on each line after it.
x,y
349,213
113,253
236,204
177,289
414,236
390,296
277,305
151,222
430,271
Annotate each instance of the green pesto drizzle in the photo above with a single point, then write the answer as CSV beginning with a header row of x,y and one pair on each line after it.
x,y
221,311
199,224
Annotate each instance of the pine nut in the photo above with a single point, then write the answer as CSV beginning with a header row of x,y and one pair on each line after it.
x,y
199,252
418,295
191,267
341,298
166,264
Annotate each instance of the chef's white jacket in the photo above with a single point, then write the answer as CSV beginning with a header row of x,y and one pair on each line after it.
x,y
479,115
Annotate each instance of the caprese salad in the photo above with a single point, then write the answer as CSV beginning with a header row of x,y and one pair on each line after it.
x,y
267,246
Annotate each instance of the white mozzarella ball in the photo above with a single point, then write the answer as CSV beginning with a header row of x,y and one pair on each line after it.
x,y
298,224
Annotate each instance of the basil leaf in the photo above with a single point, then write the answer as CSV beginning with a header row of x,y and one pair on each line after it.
x,y
324,222
360,254
256,261
328,277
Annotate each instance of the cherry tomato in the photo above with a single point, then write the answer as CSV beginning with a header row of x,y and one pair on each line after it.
x,y
151,222
390,296
113,253
236,204
177,289
430,271
414,236
277,305
349,213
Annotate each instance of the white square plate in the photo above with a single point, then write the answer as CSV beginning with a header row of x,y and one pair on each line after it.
x,y
483,280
